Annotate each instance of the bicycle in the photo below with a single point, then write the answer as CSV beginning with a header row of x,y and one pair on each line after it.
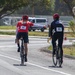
x,y
57,57
22,52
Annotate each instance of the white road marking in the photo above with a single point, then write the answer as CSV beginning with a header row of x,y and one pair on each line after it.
x,y
7,46
10,67
37,65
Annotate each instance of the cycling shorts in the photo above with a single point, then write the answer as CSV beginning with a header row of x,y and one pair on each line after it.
x,y
24,35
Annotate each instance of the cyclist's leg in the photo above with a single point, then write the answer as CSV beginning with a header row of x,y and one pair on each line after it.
x,y
54,44
60,42
26,48
26,45
18,44
18,36
26,51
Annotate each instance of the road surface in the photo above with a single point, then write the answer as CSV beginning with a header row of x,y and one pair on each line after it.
x,y
39,63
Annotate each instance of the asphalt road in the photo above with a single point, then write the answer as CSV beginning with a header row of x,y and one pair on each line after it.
x,y
39,63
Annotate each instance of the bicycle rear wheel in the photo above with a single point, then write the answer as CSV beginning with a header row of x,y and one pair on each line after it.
x,y
22,55
59,57
54,57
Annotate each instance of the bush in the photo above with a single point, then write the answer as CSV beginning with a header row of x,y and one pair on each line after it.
x,y
72,27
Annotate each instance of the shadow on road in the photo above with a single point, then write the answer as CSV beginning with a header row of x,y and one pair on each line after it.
x,y
54,66
19,65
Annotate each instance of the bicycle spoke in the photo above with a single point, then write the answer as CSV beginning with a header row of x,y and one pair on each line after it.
x,y
54,59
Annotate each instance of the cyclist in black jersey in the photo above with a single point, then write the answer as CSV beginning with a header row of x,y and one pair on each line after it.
x,y
56,32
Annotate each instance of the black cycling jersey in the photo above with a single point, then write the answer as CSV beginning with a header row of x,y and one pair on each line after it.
x,y
56,29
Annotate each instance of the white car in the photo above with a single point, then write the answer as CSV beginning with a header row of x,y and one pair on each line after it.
x,y
39,24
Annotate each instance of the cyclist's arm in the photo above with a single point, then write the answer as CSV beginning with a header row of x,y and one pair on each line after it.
x,y
65,38
49,35
17,28
30,23
50,31
16,33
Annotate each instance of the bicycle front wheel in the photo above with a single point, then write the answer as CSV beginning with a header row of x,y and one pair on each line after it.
x,y
60,57
54,58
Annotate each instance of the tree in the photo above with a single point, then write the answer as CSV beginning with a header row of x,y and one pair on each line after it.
x,y
38,7
9,6
41,3
70,4
61,7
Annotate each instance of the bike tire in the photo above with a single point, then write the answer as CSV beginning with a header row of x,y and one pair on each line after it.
x,y
60,57
22,55
54,57
22,60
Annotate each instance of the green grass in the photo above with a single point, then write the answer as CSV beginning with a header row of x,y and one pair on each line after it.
x,y
38,33
31,33
8,27
67,50
7,33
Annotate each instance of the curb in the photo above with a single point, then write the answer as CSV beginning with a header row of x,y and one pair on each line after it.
x,y
45,49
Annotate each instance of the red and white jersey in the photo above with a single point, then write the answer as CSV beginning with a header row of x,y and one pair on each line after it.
x,y
22,26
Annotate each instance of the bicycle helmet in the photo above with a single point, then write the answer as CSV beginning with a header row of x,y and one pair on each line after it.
x,y
25,17
56,16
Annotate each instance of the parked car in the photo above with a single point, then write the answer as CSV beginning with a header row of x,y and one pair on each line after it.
x,y
39,24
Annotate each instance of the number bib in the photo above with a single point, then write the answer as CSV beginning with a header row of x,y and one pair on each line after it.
x,y
59,29
23,27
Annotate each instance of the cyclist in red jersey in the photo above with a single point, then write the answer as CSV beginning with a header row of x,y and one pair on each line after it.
x,y
22,31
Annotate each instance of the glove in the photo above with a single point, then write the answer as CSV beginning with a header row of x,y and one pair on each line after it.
x,y
48,40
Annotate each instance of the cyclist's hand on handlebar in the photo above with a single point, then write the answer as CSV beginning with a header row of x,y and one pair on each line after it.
x,y
48,39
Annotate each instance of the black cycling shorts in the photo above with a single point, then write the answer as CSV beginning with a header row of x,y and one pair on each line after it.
x,y
24,35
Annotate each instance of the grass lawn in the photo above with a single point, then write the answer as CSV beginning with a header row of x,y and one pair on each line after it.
x,y
67,50
8,27
30,33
